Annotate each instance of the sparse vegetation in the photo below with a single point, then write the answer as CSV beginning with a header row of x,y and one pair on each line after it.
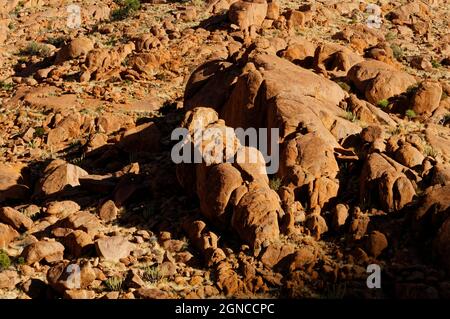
x,y
344,86
397,51
436,64
114,283
152,274
410,114
78,160
35,49
18,8
275,183
383,103
39,131
57,41
127,8
20,261
390,36
412,89
350,116
5,262
6,86
430,151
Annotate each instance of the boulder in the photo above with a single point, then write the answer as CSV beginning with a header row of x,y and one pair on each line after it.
x,y
409,156
68,276
77,242
383,181
57,176
276,253
434,205
426,98
255,218
7,235
245,14
340,215
299,52
9,279
307,160
76,48
82,220
50,251
13,182
376,243
113,248
334,59
62,208
15,218
379,81
108,211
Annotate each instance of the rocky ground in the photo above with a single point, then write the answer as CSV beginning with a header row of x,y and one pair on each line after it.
x,y
92,206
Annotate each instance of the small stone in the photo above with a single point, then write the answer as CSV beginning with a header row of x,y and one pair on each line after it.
x,y
340,215
108,211
302,257
7,235
376,243
79,294
196,281
15,218
316,224
168,269
78,242
150,293
8,279
275,253
113,248
51,251
62,208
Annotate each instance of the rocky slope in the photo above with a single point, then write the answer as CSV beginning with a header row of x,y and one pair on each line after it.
x,y
92,205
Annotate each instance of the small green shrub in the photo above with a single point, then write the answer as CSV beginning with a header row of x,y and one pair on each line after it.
x,y
412,89
397,51
20,261
390,36
430,151
6,86
275,183
344,86
152,274
114,283
35,49
127,8
410,114
436,64
57,41
383,103
5,262
350,116
39,131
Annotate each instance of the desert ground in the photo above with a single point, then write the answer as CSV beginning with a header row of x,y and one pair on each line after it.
x,y
94,206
